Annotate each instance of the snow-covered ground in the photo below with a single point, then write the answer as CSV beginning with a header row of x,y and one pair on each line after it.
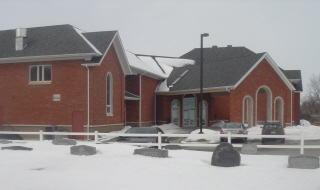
x,y
114,167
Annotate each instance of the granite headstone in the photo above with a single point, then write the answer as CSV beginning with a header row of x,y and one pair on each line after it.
x,y
152,152
303,162
16,148
5,142
83,150
224,155
64,142
173,147
249,149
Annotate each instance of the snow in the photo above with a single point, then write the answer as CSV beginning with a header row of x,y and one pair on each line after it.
x,y
52,167
175,62
161,66
150,66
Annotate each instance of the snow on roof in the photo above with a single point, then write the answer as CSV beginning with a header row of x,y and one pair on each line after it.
x,y
150,67
175,62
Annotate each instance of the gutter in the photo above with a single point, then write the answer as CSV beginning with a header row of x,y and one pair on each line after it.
x,y
205,90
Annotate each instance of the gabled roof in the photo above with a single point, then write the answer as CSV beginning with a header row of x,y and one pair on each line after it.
x,y
62,42
50,41
222,73
224,69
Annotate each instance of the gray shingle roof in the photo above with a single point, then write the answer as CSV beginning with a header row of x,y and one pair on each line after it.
x,y
217,74
294,74
101,40
42,41
222,67
217,54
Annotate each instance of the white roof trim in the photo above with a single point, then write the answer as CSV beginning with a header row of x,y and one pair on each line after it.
x,y
89,43
273,65
85,56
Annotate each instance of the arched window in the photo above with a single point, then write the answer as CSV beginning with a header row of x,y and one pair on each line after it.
x,y
175,115
189,110
109,94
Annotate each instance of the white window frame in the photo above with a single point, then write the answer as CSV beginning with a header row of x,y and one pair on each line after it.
x,y
110,105
38,81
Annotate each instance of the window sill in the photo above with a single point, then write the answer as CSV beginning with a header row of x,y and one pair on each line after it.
x,y
40,83
109,114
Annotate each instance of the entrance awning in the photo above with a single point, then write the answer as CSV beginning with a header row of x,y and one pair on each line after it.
x,y
130,96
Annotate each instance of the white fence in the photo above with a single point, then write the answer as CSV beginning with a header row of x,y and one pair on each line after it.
x,y
96,135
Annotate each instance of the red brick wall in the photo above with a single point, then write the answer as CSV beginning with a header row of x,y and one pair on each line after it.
x,y
296,106
132,106
32,104
148,87
263,74
98,75
220,108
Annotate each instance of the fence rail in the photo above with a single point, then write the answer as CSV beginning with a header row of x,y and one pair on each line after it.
x,y
229,136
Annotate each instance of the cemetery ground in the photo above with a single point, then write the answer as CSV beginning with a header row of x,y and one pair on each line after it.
x,y
114,166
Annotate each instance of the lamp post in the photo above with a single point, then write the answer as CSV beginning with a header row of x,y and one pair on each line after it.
x,y
201,78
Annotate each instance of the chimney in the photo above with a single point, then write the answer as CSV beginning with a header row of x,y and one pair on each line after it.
x,y
21,38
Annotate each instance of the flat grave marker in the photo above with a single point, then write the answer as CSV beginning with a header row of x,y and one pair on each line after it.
x,y
303,162
249,149
83,150
64,142
152,152
16,148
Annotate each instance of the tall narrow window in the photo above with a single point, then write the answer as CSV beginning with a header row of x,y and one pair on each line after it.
x,y
189,110
109,94
175,116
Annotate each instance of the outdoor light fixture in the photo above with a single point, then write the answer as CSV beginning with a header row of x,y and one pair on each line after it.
x,y
201,78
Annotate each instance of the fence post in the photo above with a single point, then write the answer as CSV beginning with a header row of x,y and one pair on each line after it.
x,y
229,137
96,137
41,135
159,140
302,143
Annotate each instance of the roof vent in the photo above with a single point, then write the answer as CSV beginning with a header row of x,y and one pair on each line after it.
x,y
21,38
214,47
229,46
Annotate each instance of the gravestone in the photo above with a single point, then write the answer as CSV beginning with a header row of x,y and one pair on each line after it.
x,y
173,147
224,155
303,162
152,152
5,142
83,150
64,142
16,148
249,149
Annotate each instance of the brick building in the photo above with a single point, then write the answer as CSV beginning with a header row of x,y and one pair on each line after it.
x,y
239,86
86,81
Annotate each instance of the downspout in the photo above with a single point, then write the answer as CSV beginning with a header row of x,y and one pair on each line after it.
x,y
227,89
88,95
140,98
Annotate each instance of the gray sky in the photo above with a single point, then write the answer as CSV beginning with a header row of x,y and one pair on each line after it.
x,y
289,30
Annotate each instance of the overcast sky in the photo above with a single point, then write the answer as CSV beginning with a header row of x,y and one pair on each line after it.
x,y
288,30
